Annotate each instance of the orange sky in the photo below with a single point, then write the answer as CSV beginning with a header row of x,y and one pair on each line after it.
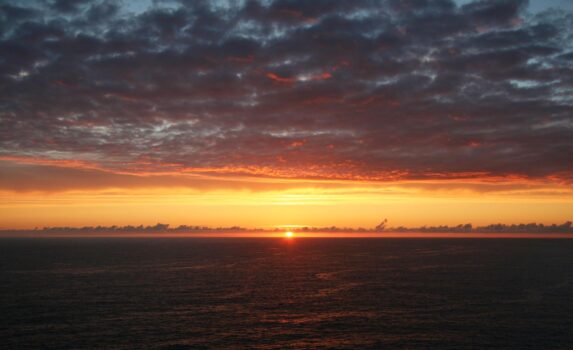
x,y
37,194
271,113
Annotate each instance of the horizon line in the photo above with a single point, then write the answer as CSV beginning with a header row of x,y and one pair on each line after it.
x,y
565,227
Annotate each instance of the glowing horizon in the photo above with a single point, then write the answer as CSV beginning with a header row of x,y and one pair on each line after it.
x,y
271,113
264,201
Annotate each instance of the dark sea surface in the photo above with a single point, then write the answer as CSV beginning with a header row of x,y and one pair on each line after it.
x,y
269,293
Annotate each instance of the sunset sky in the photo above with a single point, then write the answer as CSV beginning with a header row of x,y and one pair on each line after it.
x,y
267,113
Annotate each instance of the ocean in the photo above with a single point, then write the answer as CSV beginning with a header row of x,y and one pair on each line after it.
x,y
274,293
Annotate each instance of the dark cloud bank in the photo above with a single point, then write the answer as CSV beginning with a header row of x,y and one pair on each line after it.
x,y
566,227
346,89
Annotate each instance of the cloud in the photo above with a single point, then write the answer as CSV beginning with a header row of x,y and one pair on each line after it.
x,y
35,180
396,90
45,177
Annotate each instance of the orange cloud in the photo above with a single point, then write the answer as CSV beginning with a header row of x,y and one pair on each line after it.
x,y
279,79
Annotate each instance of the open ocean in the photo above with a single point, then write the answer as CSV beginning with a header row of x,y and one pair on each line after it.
x,y
272,293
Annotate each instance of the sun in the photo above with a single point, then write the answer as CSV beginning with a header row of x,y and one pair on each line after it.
x,y
289,234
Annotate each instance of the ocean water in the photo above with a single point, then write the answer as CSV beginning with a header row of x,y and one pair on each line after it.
x,y
269,293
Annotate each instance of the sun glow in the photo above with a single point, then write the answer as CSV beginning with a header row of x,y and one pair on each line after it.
x,y
289,234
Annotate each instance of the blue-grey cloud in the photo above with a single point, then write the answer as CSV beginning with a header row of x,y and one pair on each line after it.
x,y
348,89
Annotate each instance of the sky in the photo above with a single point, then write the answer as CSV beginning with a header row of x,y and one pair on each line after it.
x,y
268,113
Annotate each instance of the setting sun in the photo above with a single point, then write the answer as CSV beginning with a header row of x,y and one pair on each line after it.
x,y
289,234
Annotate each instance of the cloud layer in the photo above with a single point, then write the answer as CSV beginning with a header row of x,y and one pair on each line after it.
x,y
374,90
